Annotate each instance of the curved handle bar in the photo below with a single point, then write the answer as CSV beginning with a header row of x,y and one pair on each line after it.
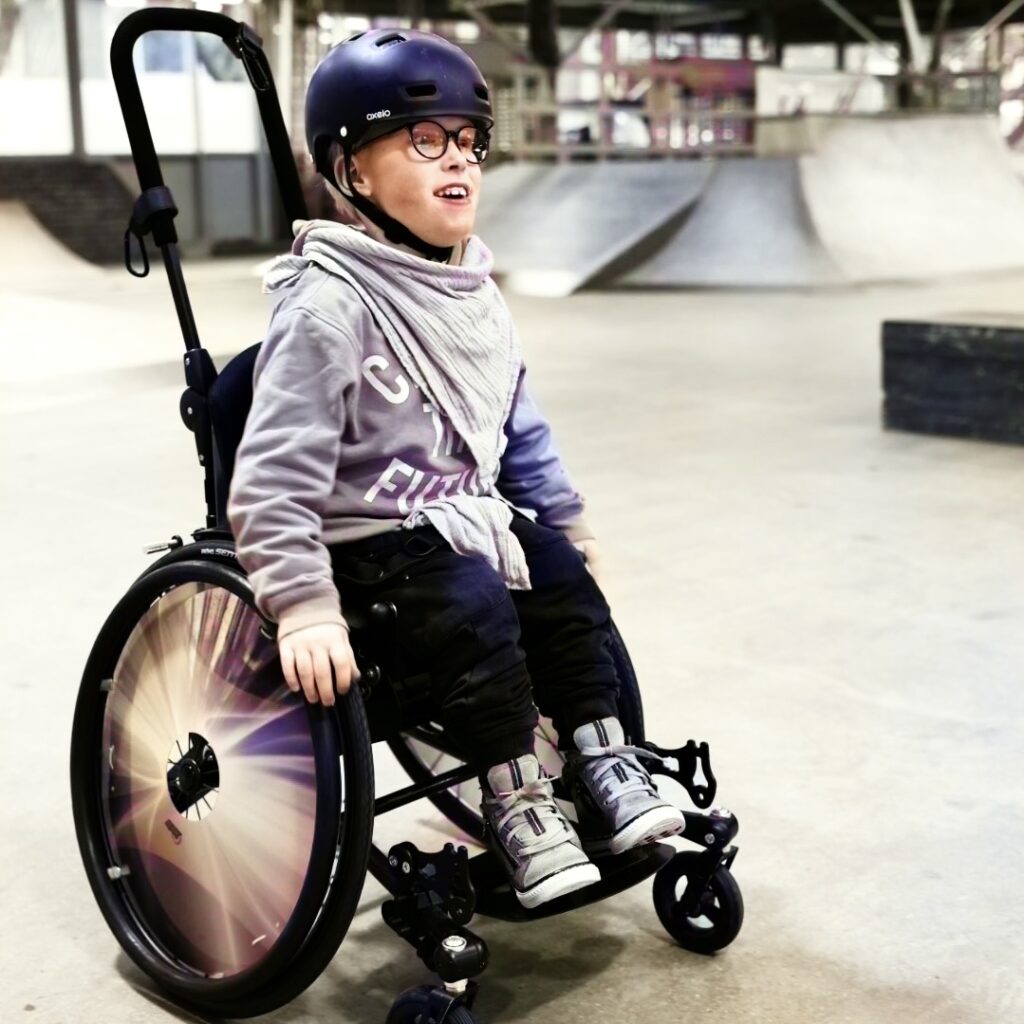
x,y
246,45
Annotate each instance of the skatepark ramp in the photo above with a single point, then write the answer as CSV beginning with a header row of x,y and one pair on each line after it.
x,y
874,199
749,229
553,228
895,198
30,254
84,203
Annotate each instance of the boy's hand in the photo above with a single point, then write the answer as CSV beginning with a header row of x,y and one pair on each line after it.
x,y
307,656
590,555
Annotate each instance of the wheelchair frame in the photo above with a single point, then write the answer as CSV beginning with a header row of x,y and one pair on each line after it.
x,y
434,895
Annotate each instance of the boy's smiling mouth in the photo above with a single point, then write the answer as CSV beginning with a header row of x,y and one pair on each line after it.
x,y
454,193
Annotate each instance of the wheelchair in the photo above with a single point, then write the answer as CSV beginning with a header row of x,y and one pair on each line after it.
x,y
226,824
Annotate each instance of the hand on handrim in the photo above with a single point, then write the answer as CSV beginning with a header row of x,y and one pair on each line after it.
x,y
308,656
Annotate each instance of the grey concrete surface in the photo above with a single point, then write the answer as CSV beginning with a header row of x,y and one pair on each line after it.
x,y
836,609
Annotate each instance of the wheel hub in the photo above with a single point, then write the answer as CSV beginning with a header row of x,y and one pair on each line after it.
x,y
193,776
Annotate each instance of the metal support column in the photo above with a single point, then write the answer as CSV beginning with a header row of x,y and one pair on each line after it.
x,y
74,77
918,54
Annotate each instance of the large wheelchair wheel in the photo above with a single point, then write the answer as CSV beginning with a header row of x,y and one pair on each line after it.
x,y
224,822
425,752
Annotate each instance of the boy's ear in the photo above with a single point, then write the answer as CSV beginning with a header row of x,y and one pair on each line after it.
x,y
357,181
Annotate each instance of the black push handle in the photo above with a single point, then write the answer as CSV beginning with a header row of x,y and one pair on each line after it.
x,y
247,46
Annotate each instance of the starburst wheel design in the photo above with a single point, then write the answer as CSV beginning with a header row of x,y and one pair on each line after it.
x,y
209,780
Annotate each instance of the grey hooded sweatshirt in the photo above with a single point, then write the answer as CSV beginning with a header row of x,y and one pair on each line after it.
x,y
341,444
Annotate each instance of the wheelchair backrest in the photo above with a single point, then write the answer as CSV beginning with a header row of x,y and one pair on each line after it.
x,y
228,402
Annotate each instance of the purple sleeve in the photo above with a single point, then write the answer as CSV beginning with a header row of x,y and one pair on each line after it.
x,y
532,474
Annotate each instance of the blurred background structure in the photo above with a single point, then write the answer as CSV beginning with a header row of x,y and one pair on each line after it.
x,y
750,143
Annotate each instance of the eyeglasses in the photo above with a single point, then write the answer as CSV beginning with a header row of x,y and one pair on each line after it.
x,y
430,139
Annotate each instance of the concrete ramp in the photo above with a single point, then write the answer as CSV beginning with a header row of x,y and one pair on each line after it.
x,y
31,257
507,183
750,229
553,228
915,197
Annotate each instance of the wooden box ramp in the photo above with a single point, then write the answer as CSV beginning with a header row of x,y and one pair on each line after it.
x,y
954,380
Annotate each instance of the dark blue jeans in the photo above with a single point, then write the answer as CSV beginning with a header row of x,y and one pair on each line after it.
x,y
491,652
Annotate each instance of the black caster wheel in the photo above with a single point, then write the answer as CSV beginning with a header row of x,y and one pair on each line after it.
x,y
426,1004
721,905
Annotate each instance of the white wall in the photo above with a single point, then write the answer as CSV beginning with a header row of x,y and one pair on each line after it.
x,y
35,117
35,107
781,92
189,111
227,116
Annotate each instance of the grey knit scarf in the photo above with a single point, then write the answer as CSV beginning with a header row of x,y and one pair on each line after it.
x,y
453,334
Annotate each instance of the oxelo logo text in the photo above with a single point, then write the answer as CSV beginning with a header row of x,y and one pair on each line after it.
x,y
377,115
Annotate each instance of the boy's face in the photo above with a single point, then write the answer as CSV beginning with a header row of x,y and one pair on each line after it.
x,y
407,185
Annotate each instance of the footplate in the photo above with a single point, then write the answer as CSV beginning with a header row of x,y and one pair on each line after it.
x,y
434,898
687,760
438,880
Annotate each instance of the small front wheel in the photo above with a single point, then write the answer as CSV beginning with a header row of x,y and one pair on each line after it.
x,y
426,1004
721,905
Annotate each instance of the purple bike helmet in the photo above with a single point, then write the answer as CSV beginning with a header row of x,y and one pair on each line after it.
x,y
377,81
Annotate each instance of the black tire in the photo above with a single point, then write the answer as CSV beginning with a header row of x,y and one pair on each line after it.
x,y
351,862
412,1007
218,547
721,902
214,601
424,753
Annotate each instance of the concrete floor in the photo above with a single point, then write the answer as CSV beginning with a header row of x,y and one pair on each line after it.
x,y
836,609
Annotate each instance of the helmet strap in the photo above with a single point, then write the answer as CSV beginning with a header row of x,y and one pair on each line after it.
x,y
393,230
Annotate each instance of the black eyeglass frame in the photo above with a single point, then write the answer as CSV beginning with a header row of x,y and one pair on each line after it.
x,y
450,134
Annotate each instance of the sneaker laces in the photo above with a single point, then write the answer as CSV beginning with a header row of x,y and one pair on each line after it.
x,y
613,755
538,796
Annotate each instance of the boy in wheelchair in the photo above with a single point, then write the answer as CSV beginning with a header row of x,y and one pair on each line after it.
x,y
393,452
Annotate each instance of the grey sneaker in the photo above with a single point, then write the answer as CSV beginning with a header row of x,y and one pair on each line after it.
x,y
531,837
618,803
